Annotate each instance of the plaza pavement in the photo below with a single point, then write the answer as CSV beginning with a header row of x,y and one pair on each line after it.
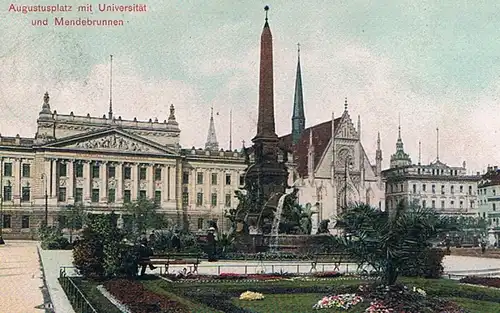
x,y
21,279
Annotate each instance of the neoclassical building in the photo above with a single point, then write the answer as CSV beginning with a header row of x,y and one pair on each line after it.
x,y
104,162
447,189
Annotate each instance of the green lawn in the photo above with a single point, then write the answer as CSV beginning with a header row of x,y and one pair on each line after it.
x,y
200,297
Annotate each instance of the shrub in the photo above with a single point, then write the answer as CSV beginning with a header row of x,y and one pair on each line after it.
x,y
483,281
52,238
428,264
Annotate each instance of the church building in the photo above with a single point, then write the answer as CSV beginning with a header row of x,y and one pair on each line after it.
x,y
328,163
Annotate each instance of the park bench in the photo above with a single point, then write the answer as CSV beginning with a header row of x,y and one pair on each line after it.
x,y
190,259
337,258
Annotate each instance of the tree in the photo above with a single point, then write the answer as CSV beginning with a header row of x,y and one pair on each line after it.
x,y
144,216
388,242
75,217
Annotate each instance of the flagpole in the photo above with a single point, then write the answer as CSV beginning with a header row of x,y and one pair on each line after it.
x,y
230,130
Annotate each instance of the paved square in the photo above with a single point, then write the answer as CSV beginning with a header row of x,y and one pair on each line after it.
x,y
20,277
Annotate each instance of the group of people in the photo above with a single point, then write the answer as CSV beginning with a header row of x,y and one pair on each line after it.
x,y
146,249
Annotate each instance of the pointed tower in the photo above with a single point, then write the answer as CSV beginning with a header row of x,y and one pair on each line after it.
x,y
400,158
378,156
298,117
211,143
310,157
267,178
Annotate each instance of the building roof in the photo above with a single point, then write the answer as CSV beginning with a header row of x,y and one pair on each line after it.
x,y
322,133
490,178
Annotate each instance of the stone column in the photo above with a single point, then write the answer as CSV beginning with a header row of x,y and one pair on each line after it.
x,y
46,179
71,181
103,176
134,182
119,182
207,191
150,176
16,184
165,184
194,184
87,181
178,193
53,179
171,182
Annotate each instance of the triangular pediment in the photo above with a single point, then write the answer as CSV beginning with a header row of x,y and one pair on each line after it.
x,y
111,140
346,128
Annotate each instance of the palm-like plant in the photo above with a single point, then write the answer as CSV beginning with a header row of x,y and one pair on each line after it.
x,y
388,241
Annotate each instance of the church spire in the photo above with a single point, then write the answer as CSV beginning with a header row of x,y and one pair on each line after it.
x,y
400,158
298,117
211,143
265,124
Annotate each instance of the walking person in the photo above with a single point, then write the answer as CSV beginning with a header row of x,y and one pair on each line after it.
x,y
145,251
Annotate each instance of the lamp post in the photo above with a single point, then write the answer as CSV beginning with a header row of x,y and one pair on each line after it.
x,y
44,180
348,164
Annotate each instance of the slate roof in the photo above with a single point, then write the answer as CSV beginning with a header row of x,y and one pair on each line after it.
x,y
322,133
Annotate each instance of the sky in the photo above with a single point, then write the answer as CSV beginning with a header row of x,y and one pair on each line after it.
x,y
436,64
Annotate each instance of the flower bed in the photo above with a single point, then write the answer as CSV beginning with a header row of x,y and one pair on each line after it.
x,y
483,281
140,300
179,277
343,301
327,274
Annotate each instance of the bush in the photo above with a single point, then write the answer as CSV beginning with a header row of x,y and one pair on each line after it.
x,y
101,253
52,238
427,265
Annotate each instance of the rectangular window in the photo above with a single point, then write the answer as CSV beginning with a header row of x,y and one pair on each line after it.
x,y
452,204
142,194
6,221
200,223
199,198
442,204
214,199
461,204
7,193
127,196
95,171
111,195
470,190
461,189
25,194
228,179
7,169
63,170
25,221
185,177
214,178
111,172
157,173
228,200
185,197
26,170
62,194
494,207
242,180
442,189
199,178
424,203
414,188
95,195
424,187
127,172
79,195
433,188
79,170
142,173
433,204
158,196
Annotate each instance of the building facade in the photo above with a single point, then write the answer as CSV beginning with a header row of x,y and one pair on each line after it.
x,y
103,163
489,196
447,189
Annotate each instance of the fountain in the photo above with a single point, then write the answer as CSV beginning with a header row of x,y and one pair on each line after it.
x,y
273,244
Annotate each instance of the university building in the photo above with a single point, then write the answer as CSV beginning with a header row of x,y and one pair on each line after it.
x,y
105,162
447,189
